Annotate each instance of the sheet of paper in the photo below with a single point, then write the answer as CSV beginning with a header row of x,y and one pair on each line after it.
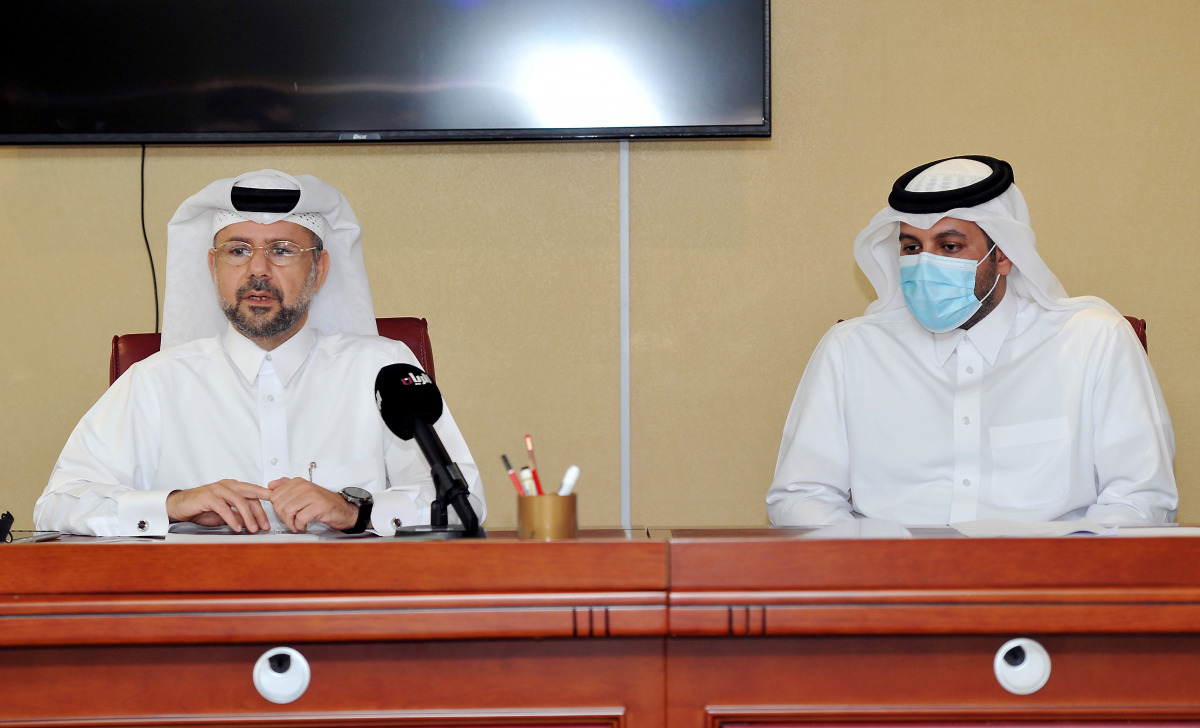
x,y
191,533
261,537
1003,527
1158,531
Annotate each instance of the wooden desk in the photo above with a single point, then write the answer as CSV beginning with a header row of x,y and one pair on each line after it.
x,y
696,628
466,633
784,631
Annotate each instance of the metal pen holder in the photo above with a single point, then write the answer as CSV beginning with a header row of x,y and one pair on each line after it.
x,y
546,517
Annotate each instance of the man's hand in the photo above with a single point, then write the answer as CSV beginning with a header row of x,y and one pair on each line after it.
x,y
298,502
229,502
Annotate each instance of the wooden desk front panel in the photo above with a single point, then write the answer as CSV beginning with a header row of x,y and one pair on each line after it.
x,y
885,680
487,633
576,682
780,630
789,586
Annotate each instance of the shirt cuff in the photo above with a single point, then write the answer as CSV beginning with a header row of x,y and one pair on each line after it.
x,y
393,511
143,513
1117,514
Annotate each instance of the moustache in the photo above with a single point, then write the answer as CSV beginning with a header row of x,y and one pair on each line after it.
x,y
259,285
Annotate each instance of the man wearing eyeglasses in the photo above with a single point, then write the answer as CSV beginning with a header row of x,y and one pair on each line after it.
x,y
259,412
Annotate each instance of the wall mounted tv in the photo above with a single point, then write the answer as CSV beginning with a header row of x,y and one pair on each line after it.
x,y
294,71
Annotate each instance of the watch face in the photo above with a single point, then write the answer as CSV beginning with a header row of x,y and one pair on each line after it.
x,y
357,494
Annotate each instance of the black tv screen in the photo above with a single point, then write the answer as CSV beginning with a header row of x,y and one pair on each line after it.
x,y
222,71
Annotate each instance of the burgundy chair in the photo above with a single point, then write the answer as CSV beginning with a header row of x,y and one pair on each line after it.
x,y
128,349
1139,328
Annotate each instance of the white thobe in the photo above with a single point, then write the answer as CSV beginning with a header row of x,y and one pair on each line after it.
x,y
224,408
1032,415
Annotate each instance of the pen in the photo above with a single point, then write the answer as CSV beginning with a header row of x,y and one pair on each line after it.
x,y
512,475
568,483
537,482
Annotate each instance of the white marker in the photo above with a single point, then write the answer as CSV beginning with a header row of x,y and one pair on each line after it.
x,y
569,479
526,478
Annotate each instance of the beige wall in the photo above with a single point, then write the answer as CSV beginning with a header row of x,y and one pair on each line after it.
x,y
740,250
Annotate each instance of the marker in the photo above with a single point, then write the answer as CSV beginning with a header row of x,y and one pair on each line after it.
x,y
527,481
513,475
569,479
537,482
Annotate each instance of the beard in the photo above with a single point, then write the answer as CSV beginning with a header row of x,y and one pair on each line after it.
x,y
259,324
985,286
985,290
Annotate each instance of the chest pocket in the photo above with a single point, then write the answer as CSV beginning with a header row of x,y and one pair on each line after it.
x,y
367,474
1031,463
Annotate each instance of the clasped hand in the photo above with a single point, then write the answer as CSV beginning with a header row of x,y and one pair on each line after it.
x,y
296,501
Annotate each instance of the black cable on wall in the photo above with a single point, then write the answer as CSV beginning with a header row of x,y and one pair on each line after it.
x,y
146,239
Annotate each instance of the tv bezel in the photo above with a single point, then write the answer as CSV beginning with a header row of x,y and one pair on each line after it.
x,y
532,134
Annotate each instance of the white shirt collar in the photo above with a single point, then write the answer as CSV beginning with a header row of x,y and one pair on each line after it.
x,y
987,336
287,358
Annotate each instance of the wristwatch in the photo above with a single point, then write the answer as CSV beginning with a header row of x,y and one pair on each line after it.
x,y
364,501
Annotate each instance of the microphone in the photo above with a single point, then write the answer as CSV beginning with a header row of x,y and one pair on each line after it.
x,y
410,404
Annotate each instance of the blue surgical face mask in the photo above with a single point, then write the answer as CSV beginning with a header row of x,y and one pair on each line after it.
x,y
940,291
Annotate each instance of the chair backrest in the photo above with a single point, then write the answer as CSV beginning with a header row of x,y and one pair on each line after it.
x,y
1139,328
128,349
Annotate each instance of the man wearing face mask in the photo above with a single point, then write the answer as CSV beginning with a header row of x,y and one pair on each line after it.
x,y
973,387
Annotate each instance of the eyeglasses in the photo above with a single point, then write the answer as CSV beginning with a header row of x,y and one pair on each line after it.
x,y
280,252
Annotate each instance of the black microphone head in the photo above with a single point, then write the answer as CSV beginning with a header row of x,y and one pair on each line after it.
x,y
405,395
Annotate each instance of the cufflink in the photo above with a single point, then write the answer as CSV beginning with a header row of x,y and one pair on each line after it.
x,y
397,523
143,526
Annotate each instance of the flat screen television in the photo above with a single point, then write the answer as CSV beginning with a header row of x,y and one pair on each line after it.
x,y
291,71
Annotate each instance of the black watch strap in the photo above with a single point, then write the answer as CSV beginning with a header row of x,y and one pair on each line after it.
x,y
364,518
364,512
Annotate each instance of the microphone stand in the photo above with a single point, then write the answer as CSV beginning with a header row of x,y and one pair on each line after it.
x,y
451,488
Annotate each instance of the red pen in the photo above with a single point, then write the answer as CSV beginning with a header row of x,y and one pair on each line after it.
x,y
537,483
513,475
